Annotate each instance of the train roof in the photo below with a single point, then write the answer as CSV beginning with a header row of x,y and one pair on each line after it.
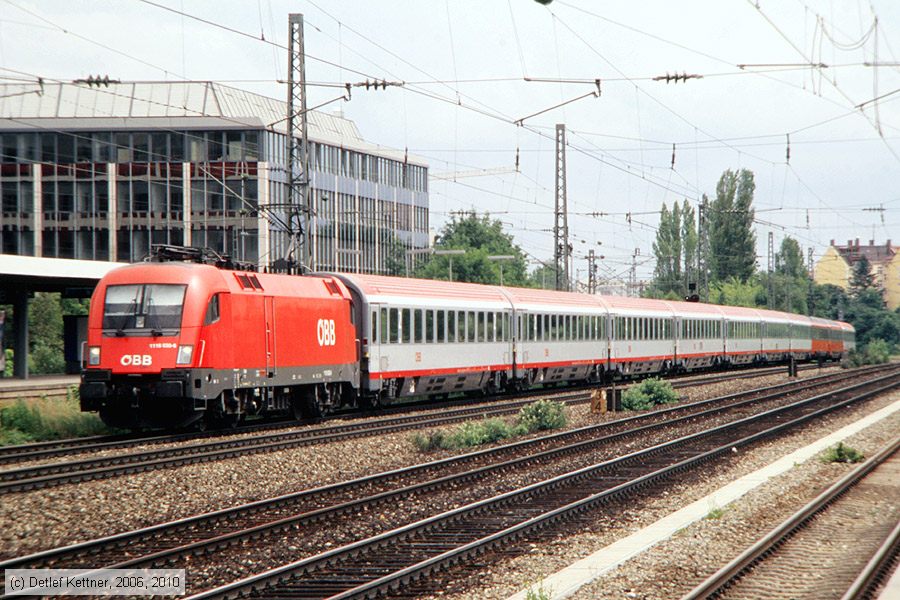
x,y
541,300
380,288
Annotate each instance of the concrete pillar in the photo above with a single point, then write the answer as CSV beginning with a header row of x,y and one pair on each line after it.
x,y
186,202
20,337
112,192
38,204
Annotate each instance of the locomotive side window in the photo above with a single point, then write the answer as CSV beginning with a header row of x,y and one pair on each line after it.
x,y
151,309
212,310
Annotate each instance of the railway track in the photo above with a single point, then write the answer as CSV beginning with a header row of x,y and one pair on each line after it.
x,y
56,473
46,475
847,538
163,544
49,449
407,559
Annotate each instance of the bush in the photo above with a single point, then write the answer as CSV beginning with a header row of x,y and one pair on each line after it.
x,y
876,352
648,394
537,416
8,367
842,454
542,415
46,360
428,441
47,420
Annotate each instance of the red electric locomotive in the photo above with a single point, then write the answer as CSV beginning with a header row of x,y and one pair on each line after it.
x,y
171,344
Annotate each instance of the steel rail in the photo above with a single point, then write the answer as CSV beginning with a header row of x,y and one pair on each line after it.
x,y
713,586
363,556
877,570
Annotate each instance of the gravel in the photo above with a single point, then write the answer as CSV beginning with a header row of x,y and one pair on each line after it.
x,y
31,521
672,568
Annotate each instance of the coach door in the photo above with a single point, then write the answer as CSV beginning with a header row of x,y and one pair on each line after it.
x,y
269,310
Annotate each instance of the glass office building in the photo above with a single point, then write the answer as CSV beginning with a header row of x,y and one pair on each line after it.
x,y
104,172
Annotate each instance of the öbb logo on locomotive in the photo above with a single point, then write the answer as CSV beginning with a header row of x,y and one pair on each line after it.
x,y
325,332
136,360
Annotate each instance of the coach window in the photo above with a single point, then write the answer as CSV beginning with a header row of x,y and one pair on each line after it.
x,y
451,326
394,325
489,327
471,326
406,325
461,326
429,326
374,337
440,326
419,336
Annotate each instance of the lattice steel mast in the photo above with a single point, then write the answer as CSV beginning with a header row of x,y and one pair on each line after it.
x,y
562,251
298,208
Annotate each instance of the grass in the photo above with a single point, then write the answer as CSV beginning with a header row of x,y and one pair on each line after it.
x,y
842,454
538,594
648,394
538,416
44,419
715,513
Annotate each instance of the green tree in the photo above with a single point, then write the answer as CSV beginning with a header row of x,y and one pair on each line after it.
x,y
667,250
394,252
732,241
45,325
861,278
735,292
789,284
544,276
689,245
790,259
480,237
828,301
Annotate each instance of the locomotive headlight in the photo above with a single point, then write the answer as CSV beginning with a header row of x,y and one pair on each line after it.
x,y
185,353
94,356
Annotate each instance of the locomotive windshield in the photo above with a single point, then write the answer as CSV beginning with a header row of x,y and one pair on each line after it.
x,y
143,309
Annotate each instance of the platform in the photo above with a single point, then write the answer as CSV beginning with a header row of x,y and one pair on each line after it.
x,y
51,386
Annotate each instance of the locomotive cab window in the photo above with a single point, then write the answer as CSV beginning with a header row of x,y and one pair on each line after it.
x,y
152,309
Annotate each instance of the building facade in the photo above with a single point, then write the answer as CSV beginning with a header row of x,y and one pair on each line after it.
x,y
102,173
836,267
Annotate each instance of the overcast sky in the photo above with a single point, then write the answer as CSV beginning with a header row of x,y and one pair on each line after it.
x,y
465,64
